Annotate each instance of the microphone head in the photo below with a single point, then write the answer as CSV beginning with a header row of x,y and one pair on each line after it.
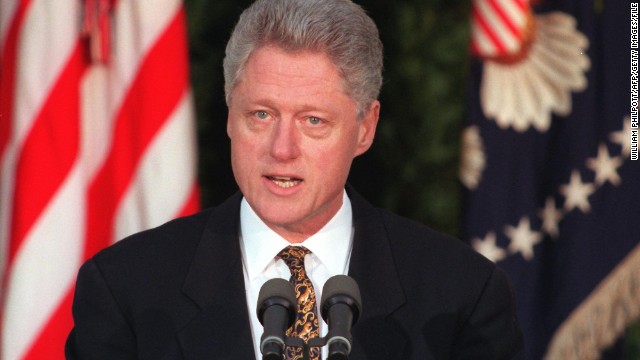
x,y
341,289
277,292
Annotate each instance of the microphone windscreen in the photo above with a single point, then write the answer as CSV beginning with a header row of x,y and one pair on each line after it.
x,y
341,289
277,292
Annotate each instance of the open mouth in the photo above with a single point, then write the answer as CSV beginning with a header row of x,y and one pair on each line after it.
x,y
284,181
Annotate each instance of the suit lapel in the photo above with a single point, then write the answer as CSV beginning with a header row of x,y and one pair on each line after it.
x,y
215,282
372,266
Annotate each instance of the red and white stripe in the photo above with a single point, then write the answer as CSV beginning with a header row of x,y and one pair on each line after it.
x,y
497,27
89,151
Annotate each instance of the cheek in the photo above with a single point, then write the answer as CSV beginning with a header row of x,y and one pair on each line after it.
x,y
243,141
334,161
236,163
242,154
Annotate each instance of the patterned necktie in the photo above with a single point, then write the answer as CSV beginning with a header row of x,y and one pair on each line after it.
x,y
306,325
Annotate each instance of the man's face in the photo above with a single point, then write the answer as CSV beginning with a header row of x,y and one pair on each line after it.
x,y
294,133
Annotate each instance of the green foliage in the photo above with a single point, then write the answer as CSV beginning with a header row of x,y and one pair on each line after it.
x,y
632,350
412,168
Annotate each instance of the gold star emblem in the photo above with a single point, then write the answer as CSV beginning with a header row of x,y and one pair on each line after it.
x,y
488,247
523,239
605,167
577,193
550,216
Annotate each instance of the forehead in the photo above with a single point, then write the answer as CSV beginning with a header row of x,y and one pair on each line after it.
x,y
273,69
292,59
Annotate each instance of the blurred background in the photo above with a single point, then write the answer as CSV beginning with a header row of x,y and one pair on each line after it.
x,y
505,123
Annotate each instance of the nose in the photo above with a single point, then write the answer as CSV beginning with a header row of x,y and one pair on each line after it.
x,y
285,140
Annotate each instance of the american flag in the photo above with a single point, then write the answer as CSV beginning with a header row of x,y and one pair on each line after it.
x,y
553,195
96,142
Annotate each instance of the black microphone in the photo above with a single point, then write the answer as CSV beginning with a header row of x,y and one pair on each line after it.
x,y
341,306
276,312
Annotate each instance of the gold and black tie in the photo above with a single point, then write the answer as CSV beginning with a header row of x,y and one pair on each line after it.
x,y
306,324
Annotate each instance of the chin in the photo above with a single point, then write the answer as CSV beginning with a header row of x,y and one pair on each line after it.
x,y
277,217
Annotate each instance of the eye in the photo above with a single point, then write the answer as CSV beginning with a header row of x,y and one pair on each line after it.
x,y
313,120
262,115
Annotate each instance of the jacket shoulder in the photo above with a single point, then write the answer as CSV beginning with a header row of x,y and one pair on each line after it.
x,y
415,240
172,238
175,239
428,262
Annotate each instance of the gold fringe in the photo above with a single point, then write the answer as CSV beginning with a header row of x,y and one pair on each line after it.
x,y
603,316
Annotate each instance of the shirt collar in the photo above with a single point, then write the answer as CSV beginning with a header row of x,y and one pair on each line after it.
x,y
331,244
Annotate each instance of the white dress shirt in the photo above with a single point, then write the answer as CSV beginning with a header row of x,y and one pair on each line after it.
x,y
330,252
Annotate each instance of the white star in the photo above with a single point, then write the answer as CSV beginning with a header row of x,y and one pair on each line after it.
x,y
577,193
522,238
550,216
488,248
605,166
623,137
473,159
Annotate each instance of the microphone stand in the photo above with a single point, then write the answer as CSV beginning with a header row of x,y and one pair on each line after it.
x,y
338,350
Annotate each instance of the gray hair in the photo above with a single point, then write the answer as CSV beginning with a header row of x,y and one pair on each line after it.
x,y
339,28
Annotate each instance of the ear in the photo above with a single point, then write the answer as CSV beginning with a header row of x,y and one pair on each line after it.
x,y
229,124
367,130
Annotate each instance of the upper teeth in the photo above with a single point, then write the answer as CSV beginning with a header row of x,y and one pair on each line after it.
x,y
284,182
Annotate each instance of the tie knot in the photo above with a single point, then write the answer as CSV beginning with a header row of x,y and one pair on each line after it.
x,y
293,256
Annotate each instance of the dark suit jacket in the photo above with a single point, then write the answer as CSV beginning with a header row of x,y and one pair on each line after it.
x,y
177,292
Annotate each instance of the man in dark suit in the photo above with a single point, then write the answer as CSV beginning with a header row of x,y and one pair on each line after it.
x,y
301,79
